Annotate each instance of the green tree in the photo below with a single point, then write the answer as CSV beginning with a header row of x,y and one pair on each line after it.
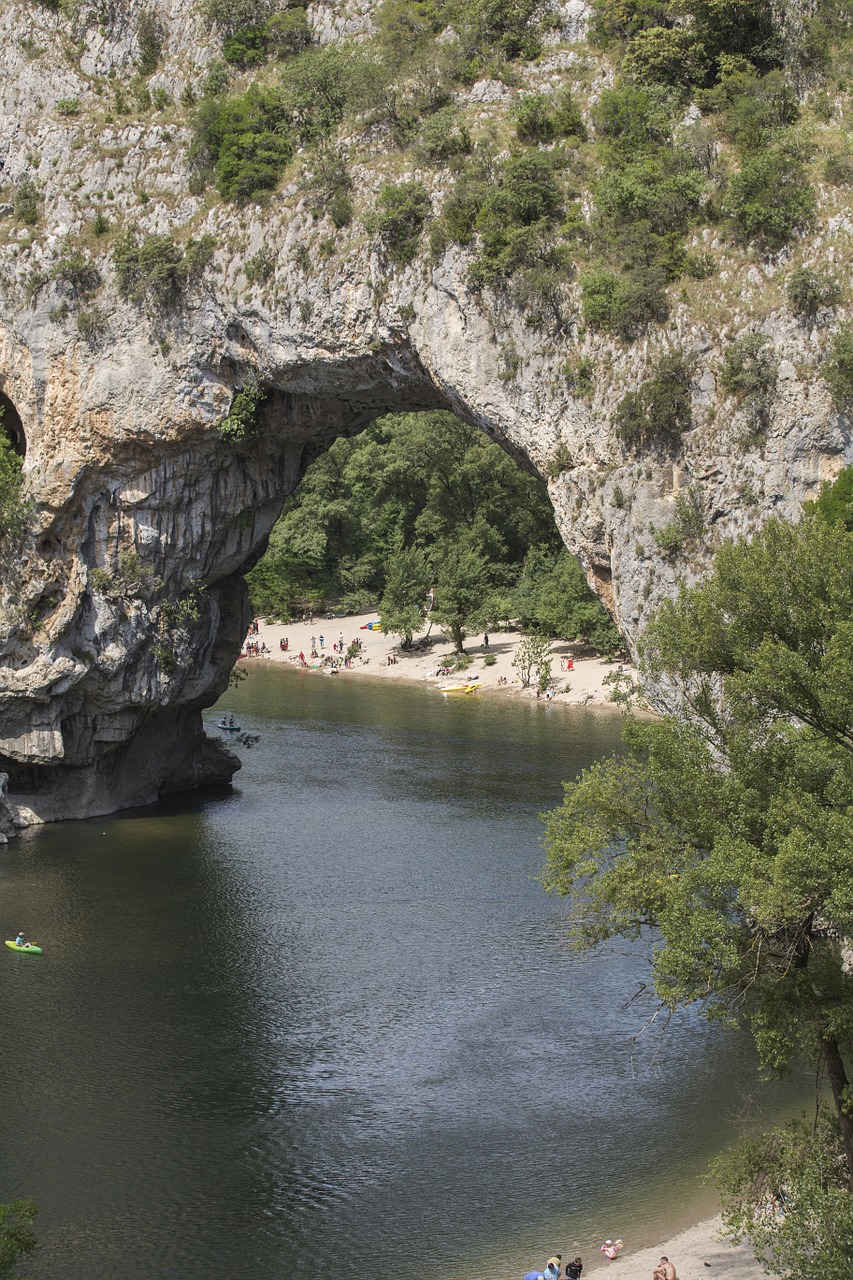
x,y
17,1238
403,604
785,1191
464,579
770,198
533,656
724,838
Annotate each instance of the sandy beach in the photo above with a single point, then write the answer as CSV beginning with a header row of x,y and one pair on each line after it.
x,y
577,675
696,1253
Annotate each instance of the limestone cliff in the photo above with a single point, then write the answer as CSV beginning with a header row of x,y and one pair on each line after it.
x,y
125,610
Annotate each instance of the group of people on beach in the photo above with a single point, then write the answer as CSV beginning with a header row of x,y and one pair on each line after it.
x,y
611,1250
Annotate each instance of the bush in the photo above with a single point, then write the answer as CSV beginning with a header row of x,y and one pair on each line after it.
x,y
503,27
838,369
770,199
689,523
660,412
631,118
619,20
580,376
839,170
288,33
402,210
244,142
749,368
259,269
68,107
150,36
91,325
533,119
157,269
623,304
25,202
246,47
235,15
665,55
809,291
515,220
243,420
77,273
441,136
753,107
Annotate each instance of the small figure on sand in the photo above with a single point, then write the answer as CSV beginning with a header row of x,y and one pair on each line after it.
x,y
574,1269
664,1270
611,1250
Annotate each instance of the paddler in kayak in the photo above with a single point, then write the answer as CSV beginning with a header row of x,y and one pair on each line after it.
x,y
19,941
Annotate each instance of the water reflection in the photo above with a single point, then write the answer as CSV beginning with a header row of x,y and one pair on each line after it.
x,y
332,1011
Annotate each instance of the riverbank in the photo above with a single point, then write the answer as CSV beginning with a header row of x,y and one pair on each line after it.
x,y
697,1253
577,674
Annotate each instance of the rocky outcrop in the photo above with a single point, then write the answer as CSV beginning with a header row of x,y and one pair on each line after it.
x,y
124,612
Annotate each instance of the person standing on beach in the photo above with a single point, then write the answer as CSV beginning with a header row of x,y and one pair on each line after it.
x,y
664,1270
574,1269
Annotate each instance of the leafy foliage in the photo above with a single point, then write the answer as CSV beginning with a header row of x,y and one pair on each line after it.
x,y
660,412
770,199
723,840
809,291
150,35
403,207
786,1191
157,269
25,201
243,420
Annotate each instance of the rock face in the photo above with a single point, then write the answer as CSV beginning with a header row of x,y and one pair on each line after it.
x,y
123,614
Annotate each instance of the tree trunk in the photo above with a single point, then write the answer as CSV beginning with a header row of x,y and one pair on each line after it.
x,y
841,1095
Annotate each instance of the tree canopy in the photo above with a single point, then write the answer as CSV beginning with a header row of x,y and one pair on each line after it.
x,y
724,838
419,501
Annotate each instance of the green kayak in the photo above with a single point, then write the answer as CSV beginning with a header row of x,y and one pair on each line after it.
x,y
30,946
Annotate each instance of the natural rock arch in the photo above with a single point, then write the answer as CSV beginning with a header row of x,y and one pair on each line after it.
x,y
136,608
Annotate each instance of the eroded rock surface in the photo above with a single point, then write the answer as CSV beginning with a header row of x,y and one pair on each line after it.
x,y
125,612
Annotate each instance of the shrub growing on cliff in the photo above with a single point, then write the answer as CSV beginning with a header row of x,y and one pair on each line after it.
x,y
402,210
25,202
809,291
244,416
150,36
157,269
770,199
749,373
77,273
838,369
660,412
623,303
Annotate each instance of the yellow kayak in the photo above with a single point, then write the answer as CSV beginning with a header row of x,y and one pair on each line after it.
x,y
29,946
470,687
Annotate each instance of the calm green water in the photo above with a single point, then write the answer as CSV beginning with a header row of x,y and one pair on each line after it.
x,y
331,1014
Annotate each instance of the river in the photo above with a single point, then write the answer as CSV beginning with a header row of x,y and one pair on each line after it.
x,y
330,1015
